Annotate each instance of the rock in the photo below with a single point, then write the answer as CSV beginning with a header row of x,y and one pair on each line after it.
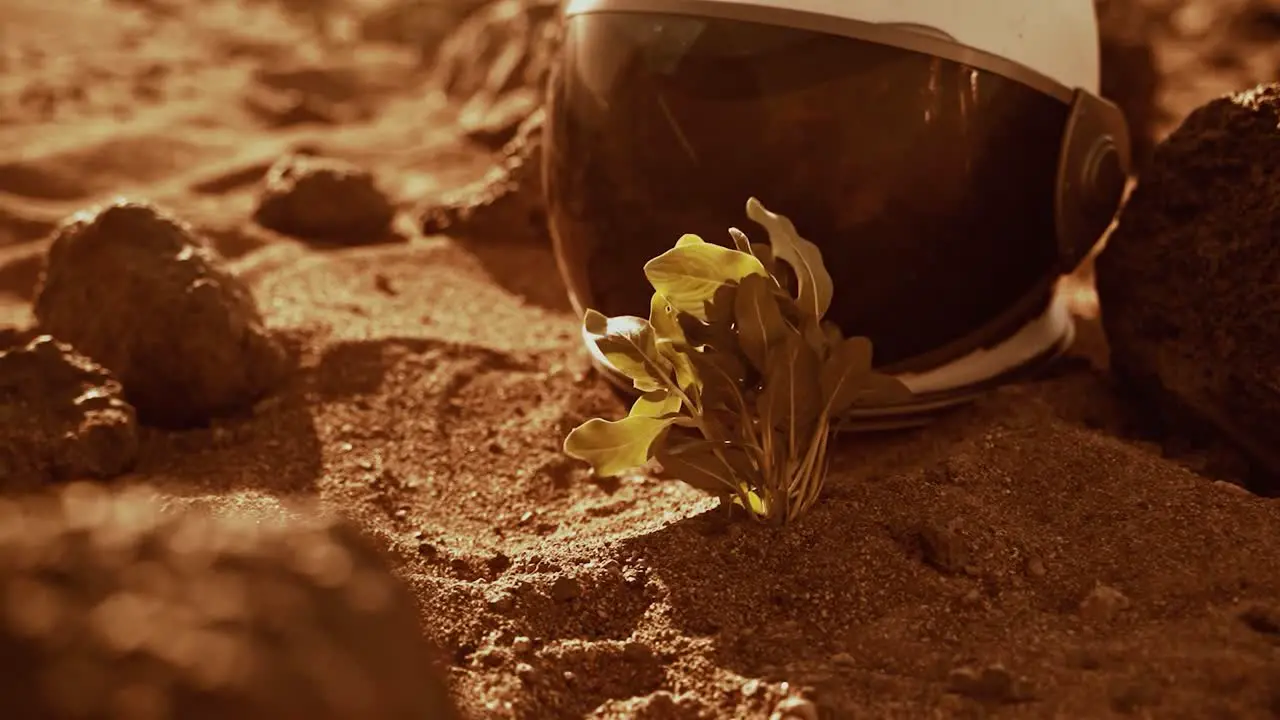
x,y
795,708
146,297
1188,280
659,705
507,203
1262,619
943,548
420,24
317,198
496,64
62,417
993,684
194,615
1103,603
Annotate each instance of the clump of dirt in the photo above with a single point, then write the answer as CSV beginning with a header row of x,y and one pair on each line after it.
x,y
62,416
1187,282
507,203
145,612
318,198
141,293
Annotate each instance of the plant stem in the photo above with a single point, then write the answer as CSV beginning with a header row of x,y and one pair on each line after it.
x,y
808,479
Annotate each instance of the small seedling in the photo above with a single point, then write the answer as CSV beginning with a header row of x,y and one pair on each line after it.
x,y
741,378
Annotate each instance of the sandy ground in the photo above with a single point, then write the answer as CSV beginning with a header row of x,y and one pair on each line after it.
x,y
1026,557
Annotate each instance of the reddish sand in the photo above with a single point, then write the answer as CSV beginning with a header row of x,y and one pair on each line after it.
x,y
1025,555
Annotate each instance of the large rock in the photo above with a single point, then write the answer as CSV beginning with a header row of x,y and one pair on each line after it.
x,y
496,65
325,199
507,203
117,608
147,297
62,416
1190,280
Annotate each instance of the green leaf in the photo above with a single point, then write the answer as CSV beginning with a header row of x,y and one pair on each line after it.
x,y
804,257
721,375
792,396
689,276
878,390
664,321
628,343
595,322
700,467
764,253
656,404
814,335
614,447
844,373
833,333
678,356
690,239
758,319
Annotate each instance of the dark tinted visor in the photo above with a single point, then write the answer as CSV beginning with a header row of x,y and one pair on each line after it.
x,y
929,184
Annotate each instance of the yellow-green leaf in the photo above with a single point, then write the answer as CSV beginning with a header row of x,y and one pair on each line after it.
x,y
758,319
804,257
689,276
844,373
876,390
628,343
655,404
614,447
792,395
702,469
663,320
686,374
721,376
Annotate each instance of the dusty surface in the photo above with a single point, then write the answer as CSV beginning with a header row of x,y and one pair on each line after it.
x,y
1026,557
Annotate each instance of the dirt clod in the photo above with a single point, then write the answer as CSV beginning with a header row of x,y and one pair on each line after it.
x,y
991,684
1103,603
324,199
205,615
62,417
141,293
565,589
1187,282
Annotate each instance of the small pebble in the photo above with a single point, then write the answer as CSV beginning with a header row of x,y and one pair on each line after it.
x,y
1103,603
521,645
795,708
1035,567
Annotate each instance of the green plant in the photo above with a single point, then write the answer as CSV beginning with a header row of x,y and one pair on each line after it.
x,y
741,378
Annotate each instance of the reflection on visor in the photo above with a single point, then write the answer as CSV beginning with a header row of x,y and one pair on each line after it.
x,y
928,184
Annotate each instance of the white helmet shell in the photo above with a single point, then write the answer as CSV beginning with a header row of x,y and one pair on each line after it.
x,y
1056,38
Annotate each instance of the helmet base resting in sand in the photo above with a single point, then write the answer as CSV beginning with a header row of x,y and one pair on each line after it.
x,y
950,171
